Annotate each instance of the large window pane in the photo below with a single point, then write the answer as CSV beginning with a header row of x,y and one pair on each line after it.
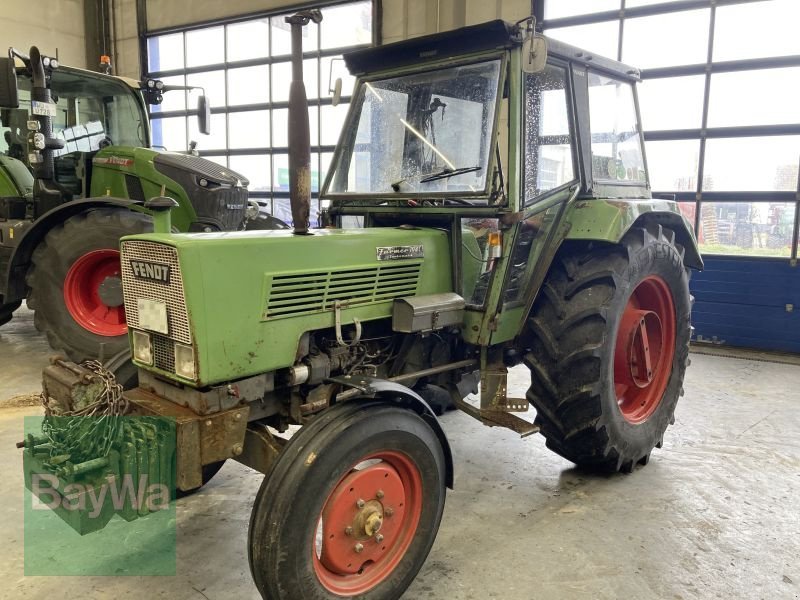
x,y
347,25
748,228
248,129
248,85
632,3
601,38
248,40
281,36
216,140
205,46
673,165
281,78
672,103
555,9
170,134
213,83
662,40
757,30
255,168
165,52
331,123
750,164
768,97
616,141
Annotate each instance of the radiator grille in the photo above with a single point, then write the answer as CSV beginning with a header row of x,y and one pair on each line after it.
x,y
291,295
170,293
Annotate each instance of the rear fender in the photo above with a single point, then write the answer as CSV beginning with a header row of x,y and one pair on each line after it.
x,y
371,387
610,220
18,265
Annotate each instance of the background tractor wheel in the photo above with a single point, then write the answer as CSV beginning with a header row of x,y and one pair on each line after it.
x,y
609,342
75,285
7,311
351,507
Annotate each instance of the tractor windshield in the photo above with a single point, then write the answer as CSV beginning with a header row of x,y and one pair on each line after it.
x,y
91,112
422,133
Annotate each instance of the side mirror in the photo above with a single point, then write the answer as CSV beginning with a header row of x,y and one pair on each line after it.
x,y
534,54
337,92
9,95
203,115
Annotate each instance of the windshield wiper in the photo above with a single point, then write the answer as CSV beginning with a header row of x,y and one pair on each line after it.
x,y
443,174
447,172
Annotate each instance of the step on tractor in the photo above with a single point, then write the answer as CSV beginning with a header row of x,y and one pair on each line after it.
x,y
487,206
76,166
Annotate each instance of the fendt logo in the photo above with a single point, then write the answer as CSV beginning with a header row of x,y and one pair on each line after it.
x,y
150,270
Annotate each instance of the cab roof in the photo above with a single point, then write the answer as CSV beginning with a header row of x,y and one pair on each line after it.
x,y
492,35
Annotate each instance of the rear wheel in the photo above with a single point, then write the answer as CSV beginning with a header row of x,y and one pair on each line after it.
x,y
7,311
609,342
351,507
75,284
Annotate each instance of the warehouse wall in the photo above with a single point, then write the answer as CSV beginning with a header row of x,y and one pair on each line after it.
x,y
49,24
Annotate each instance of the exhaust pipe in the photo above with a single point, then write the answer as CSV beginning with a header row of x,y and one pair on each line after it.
x,y
299,137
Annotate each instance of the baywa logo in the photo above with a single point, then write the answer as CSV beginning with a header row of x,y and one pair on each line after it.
x,y
123,493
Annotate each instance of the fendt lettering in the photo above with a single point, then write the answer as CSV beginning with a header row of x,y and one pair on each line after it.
x,y
150,270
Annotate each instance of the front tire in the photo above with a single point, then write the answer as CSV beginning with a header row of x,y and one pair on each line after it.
x,y
609,342
351,507
75,284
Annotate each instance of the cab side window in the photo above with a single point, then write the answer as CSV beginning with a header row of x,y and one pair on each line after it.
x,y
548,156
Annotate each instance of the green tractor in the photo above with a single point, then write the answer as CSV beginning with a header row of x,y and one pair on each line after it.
x,y
487,206
75,170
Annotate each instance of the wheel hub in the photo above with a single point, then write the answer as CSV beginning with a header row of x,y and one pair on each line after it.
x,y
356,529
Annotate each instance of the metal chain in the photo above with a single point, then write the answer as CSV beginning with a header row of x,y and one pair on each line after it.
x,y
90,432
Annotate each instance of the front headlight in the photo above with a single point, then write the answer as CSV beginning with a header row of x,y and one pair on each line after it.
x,y
184,361
142,347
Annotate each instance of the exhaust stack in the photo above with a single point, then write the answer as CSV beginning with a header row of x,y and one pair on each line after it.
x,y
299,137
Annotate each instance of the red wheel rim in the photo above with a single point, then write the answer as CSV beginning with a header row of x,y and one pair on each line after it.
x,y
87,302
367,523
644,350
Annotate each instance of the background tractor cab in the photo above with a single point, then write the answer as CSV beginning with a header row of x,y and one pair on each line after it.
x,y
76,169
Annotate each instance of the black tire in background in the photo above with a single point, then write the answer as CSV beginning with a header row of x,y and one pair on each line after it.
x,y
95,231
7,311
576,358
313,476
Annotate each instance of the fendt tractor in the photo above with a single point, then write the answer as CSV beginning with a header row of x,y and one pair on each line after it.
x,y
76,166
487,206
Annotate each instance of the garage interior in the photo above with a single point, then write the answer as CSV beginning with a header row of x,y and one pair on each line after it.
x,y
713,514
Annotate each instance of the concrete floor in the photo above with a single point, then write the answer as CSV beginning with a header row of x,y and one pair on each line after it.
x,y
716,514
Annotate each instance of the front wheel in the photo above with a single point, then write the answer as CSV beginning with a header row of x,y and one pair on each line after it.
x,y
7,311
608,347
351,507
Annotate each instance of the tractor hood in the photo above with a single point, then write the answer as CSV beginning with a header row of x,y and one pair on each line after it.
x,y
242,301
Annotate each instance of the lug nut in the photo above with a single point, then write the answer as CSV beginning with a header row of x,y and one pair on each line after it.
x,y
360,503
379,494
348,530
237,449
359,548
388,511
378,538
208,423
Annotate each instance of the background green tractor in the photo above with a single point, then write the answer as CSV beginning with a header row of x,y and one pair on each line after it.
x,y
75,170
487,206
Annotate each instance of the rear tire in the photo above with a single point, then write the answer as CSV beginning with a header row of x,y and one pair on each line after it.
x,y
7,311
75,289
299,542
609,342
